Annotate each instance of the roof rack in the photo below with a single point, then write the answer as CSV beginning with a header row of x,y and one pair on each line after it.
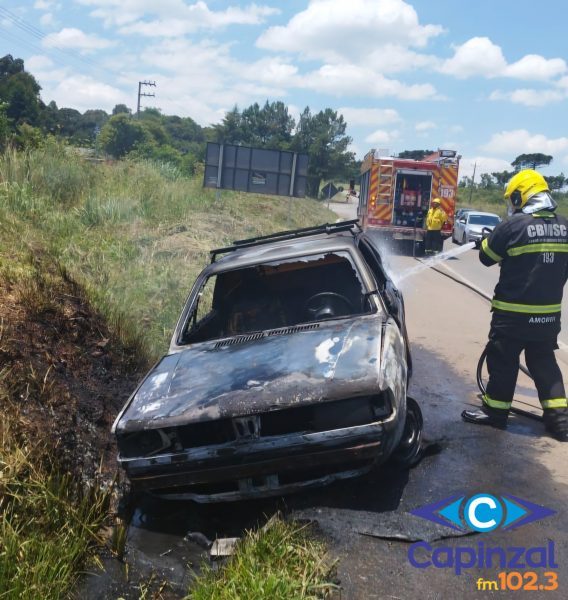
x,y
289,235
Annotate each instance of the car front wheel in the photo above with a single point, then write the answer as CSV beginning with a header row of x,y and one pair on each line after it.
x,y
464,238
409,449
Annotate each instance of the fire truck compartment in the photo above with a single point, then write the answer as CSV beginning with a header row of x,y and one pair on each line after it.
x,y
411,197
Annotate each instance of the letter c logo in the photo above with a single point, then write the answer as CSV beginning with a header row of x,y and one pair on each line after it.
x,y
483,512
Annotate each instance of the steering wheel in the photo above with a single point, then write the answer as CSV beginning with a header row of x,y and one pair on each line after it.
x,y
327,304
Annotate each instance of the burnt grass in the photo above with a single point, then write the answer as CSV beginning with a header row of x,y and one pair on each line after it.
x,y
64,374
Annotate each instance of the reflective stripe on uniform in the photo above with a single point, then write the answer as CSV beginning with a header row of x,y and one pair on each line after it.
x,y
543,213
499,404
493,255
532,309
554,403
544,247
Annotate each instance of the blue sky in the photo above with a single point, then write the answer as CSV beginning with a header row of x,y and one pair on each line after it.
x,y
487,78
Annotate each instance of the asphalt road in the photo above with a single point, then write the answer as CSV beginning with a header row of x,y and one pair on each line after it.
x,y
367,520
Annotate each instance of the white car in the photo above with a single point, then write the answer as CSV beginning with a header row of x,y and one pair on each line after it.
x,y
469,227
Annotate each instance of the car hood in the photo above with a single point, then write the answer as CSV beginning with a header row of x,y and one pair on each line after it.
x,y
479,228
236,377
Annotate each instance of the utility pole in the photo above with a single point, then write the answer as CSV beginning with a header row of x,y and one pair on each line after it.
x,y
141,93
472,180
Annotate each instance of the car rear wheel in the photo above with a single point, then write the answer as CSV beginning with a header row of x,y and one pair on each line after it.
x,y
409,449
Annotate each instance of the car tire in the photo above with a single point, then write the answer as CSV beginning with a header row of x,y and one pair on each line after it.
x,y
409,449
464,238
454,241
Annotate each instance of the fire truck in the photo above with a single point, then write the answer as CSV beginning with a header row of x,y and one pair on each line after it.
x,y
395,193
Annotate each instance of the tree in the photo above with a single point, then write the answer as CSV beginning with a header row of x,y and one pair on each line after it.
x,y
556,182
322,137
486,181
121,133
531,161
20,91
502,177
270,126
120,109
415,154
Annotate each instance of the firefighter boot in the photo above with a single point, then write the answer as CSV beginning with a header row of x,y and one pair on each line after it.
x,y
480,417
556,423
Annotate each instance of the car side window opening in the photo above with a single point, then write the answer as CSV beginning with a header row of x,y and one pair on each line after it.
x,y
278,294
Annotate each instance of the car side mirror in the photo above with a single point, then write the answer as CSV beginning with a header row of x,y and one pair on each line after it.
x,y
462,221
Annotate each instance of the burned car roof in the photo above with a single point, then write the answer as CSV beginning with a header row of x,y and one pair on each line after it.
x,y
279,250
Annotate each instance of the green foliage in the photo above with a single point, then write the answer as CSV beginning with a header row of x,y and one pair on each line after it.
x,y
414,154
531,161
278,562
121,109
113,227
47,528
322,136
121,134
20,91
4,125
270,126
502,177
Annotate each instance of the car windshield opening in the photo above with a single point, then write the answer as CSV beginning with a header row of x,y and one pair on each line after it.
x,y
274,295
483,220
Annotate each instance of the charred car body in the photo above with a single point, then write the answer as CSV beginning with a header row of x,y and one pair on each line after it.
x,y
288,368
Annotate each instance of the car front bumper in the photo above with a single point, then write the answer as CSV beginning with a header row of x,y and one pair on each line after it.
x,y
263,466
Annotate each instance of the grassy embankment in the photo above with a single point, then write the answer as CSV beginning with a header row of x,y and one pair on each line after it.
x,y
491,200
133,236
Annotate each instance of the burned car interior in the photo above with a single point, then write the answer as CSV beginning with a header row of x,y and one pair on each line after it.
x,y
288,369
278,294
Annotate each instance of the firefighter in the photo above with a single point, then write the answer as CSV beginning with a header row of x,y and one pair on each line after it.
x,y
532,249
435,220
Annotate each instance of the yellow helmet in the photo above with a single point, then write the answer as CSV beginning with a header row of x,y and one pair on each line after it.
x,y
523,185
436,201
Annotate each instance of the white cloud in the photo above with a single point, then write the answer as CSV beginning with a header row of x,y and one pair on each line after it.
x,y
529,97
75,39
47,20
44,4
369,116
336,30
84,93
344,80
380,136
535,67
520,141
482,164
479,56
456,128
425,125
38,63
173,18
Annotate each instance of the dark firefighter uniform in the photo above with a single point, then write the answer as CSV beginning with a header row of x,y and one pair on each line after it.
x,y
532,250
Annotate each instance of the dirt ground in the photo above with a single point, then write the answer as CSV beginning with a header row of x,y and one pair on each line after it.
x,y
65,376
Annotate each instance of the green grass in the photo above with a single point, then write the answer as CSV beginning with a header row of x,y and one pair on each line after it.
x,y
135,234
48,522
280,561
491,200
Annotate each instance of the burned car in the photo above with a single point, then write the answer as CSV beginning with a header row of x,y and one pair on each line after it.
x,y
288,368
